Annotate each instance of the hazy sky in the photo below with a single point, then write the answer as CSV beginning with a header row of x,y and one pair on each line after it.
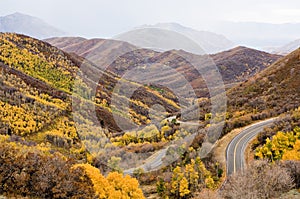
x,y
99,18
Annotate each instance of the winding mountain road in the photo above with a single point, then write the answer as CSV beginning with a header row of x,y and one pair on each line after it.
x,y
234,152
155,161
236,148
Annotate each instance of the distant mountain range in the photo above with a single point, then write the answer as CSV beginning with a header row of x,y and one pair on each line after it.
x,y
168,36
258,35
175,36
288,48
28,25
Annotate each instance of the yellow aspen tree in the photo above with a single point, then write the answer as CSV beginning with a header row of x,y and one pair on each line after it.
x,y
192,175
127,187
176,178
184,187
101,185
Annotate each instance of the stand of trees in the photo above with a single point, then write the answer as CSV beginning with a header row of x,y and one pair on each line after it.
x,y
37,171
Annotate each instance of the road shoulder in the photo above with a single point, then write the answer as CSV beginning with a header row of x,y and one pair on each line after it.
x,y
219,151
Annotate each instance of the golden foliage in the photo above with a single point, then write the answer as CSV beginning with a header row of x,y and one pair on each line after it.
x,y
115,186
284,146
186,180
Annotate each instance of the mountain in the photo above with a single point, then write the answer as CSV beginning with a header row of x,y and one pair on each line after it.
x,y
235,65
102,52
269,93
169,36
256,34
288,48
241,63
46,145
50,72
28,25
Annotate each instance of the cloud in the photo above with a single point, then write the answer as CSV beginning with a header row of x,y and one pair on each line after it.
x,y
288,12
102,18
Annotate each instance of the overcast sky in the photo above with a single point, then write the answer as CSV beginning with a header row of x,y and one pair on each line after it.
x,y
99,18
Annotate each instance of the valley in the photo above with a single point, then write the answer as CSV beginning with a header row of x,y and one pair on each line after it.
x,y
161,110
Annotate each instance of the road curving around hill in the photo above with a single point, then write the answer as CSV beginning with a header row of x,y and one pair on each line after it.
x,y
235,159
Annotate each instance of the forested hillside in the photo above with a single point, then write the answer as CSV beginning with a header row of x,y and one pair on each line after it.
x,y
273,91
235,65
42,144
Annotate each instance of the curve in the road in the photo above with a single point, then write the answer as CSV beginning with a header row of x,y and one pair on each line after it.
x,y
152,163
155,161
236,148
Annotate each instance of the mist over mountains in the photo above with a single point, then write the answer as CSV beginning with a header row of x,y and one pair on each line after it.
x,y
221,35
257,34
28,25
199,42
287,48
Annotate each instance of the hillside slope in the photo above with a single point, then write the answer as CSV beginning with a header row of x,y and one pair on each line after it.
x,y
273,91
235,65
102,52
240,63
49,75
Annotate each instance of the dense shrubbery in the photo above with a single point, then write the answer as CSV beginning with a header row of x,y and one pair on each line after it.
x,y
28,171
261,180
287,122
35,171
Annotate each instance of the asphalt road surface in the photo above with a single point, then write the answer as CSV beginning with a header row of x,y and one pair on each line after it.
x,y
236,149
155,161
